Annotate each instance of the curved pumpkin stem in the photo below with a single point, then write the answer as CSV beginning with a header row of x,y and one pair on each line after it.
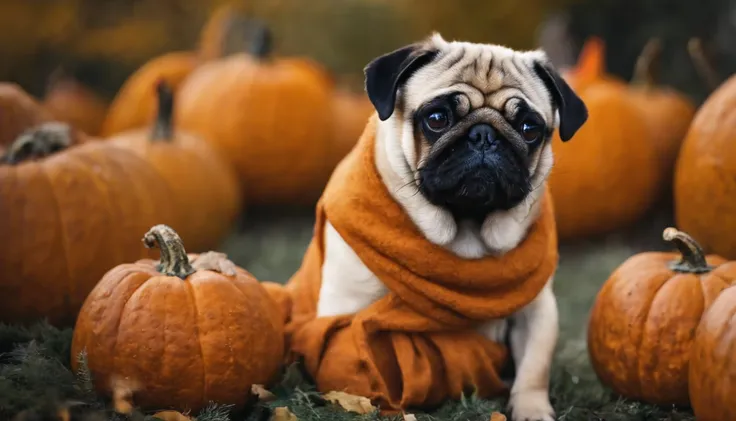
x,y
703,64
262,41
163,127
647,64
592,59
174,259
39,142
693,256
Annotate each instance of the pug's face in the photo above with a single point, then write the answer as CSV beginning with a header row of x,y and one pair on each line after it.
x,y
474,120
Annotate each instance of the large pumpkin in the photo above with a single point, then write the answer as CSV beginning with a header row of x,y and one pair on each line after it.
x,y
643,321
134,105
68,214
18,111
712,371
205,187
705,173
667,111
70,101
269,116
185,333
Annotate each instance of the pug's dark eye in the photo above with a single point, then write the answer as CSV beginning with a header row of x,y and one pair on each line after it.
x,y
438,120
531,130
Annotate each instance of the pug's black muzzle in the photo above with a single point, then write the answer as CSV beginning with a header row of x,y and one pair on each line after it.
x,y
475,175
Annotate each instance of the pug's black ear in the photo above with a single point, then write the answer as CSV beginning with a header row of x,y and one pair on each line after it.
x,y
573,112
385,75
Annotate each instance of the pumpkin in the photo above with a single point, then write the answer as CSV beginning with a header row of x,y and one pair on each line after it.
x,y
185,332
705,173
269,116
711,362
643,321
350,113
70,101
134,106
18,111
667,111
205,187
70,211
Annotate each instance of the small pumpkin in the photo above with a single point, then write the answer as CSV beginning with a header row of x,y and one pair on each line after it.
x,y
19,111
70,211
269,116
134,106
70,101
667,111
642,324
205,186
711,362
187,329
705,173
350,113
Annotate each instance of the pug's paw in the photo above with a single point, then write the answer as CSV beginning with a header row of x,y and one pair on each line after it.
x,y
531,405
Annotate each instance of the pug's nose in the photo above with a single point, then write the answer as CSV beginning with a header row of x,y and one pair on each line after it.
x,y
482,134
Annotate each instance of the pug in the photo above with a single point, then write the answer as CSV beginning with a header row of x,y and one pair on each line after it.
x,y
463,145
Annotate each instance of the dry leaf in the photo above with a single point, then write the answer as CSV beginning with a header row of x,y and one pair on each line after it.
x,y
282,413
213,260
352,403
410,417
261,393
171,416
497,416
122,394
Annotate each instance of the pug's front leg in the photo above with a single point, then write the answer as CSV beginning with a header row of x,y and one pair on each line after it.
x,y
533,340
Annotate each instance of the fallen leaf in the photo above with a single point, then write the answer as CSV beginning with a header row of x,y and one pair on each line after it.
x,y
282,413
497,416
216,261
352,403
261,393
122,394
410,417
171,416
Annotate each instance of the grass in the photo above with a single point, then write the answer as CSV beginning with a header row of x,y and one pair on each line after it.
x,y
34,361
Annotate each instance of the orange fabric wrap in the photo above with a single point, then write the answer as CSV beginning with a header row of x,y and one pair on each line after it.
x,y
417,346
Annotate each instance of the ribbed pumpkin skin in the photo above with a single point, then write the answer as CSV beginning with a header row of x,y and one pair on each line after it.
x,y
135,104
705,174
18,112
71,217
270,118
186,340
71,102
712,371
607,176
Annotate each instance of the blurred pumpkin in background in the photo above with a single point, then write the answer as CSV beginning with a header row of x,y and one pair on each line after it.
x,y
70,101
350,113
269,115
205,187
18,111
72,212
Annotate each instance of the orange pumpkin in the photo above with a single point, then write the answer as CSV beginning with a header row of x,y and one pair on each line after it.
x,y
350,113
711,363
667,111
705,173
72,102
643,321
270,116
134,106
205,187
70,211
185,332
18,111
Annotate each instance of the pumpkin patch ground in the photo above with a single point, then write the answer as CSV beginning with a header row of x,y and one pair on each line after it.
x,y
35,372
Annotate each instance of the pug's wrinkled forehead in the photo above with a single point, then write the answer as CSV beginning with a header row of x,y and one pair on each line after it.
x,y
478,75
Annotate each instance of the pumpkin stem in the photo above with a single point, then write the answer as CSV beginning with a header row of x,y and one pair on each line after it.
x,y
162,128
174,260
693,256
592,59
703,63
39,142
262,41
647,64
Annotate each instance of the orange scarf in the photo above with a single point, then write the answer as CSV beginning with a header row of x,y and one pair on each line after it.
x,y
417,346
